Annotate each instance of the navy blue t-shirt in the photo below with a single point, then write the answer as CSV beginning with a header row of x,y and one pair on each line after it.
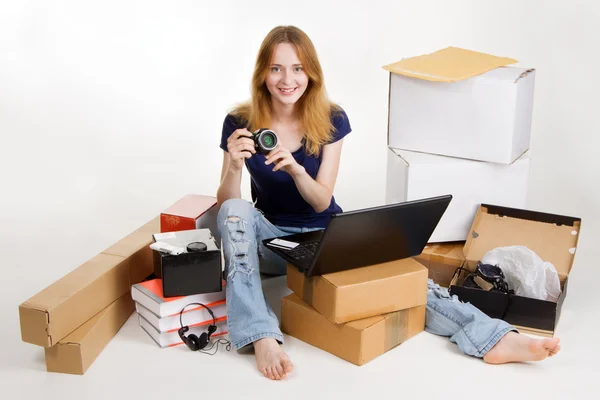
x,y
275,193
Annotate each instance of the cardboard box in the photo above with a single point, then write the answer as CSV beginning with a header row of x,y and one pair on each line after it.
x,y
362,292
442,260
412,176
552,237
192,211
75,353
461,103
358,341
49,316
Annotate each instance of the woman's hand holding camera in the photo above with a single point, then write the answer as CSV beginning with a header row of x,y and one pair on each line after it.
x,y
284,160
240,146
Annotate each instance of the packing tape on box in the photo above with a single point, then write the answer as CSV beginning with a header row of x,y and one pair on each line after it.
x,y
396,326
439,255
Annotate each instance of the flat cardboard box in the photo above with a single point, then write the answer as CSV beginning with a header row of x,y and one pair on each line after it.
x,y
75,353
358,341
442,260
412,176
65,305
362,292
192,211
552,237
461,103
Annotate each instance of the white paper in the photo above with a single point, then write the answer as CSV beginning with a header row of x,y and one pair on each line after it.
x,y
284,243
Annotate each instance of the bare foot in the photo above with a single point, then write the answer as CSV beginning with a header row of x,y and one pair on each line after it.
x,y
271,360
514,347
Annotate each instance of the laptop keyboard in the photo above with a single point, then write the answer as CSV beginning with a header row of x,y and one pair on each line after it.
x,y
303,251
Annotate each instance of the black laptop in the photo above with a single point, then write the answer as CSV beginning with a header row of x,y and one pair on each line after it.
x,y
358,238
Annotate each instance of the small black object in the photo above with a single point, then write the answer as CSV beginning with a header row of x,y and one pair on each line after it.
x,y
265,140
192,341
490,273
196,343
196,246
190,273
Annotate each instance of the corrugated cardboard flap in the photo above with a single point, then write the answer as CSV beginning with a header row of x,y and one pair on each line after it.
x,y
31,316
366,275
448,65
552,237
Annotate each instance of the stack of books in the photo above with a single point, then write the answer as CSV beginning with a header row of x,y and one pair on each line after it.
x,y
160,316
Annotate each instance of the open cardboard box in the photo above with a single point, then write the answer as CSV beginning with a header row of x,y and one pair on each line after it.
x,y
552,237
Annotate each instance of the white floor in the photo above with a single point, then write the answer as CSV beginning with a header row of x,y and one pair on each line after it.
x,y
133,366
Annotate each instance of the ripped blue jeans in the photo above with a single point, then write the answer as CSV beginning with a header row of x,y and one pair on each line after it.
x,y
250,317
243,228
473,331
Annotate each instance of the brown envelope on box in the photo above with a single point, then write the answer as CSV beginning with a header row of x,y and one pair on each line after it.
x,y
362,292
77,351
442,260
66,304
448,65
358,341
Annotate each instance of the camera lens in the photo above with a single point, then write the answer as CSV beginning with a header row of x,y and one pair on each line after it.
x,y
266,140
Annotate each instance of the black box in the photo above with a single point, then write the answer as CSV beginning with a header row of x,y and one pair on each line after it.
x,y
552,237
192,272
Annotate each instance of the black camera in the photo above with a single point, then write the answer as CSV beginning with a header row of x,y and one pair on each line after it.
x,y
265,140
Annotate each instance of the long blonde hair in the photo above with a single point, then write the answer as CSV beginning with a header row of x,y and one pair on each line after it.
x,y
313,108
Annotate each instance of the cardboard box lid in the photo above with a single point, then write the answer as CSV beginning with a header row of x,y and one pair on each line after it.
x,y
191,206
552,237
360,276
448,65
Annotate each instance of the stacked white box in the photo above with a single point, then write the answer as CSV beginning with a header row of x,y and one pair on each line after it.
x,y
459,123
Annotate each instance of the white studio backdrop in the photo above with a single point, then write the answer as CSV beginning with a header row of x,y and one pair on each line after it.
x,y
110,111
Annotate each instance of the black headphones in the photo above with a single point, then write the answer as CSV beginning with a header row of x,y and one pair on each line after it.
x,y
192,341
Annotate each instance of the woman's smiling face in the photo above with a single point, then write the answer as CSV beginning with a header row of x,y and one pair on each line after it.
x,y
286,79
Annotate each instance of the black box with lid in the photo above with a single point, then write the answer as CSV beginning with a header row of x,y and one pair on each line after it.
x,y
197,270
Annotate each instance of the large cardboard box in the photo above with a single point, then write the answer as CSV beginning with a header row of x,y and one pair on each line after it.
x,y
442,260
68,303
461,103
412,176
552,237
362,292
358,341
75,353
